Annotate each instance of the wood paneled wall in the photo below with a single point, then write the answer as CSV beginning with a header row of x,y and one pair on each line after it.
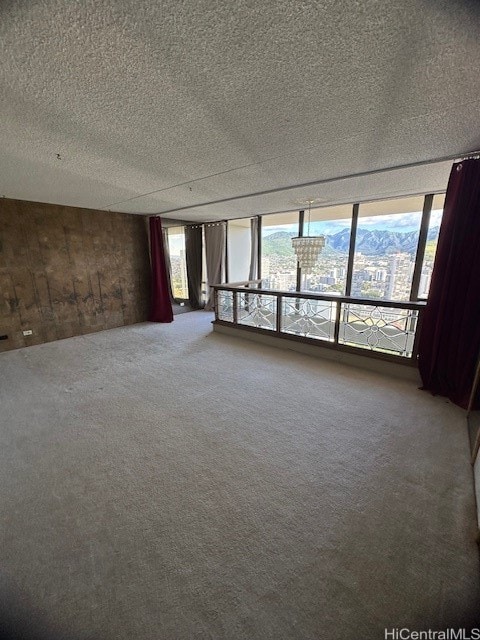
x,y
66,271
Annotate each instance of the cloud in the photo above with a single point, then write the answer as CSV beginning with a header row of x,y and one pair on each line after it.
x,y
436,217
402,222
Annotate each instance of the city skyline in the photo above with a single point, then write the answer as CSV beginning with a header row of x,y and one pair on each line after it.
x,y
383,265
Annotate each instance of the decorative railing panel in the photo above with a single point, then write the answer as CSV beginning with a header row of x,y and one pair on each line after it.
x,y
309,318
384,329
225,305
257,310
378,328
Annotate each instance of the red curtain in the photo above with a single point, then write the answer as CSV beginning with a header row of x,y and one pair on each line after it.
x,y
450,335
161,306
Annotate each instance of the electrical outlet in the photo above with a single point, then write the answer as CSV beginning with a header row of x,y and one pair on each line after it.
x,y
28,332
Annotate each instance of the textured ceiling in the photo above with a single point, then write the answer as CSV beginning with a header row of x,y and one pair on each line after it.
x,y
182,106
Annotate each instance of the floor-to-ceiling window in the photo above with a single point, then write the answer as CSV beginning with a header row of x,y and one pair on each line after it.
x,y
386,247
374,268
279,263
176,245
329,275
431,245
383,262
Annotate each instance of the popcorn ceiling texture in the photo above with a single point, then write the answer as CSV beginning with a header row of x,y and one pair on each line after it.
x,y
203,100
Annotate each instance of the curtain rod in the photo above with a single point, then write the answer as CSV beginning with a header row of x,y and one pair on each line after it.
x,y
472,155
313,183
475,155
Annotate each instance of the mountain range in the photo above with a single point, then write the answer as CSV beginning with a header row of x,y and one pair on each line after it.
x,y
370,242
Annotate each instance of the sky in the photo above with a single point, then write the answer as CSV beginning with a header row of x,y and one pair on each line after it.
x,y
401,222
176,243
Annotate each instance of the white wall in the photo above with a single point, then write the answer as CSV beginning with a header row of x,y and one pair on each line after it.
x,y
238,250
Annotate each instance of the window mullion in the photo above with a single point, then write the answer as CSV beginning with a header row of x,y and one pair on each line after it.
x,y
259,248
301,223
422,242
351,250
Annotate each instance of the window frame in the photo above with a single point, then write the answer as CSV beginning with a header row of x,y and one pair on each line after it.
x,y
419,254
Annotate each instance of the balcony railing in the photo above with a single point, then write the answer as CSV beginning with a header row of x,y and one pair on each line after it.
x,y
384,329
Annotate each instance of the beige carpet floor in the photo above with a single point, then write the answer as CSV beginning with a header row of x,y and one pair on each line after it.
x,y
161,481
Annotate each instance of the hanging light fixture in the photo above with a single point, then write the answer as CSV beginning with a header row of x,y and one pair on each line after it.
x,y
308,248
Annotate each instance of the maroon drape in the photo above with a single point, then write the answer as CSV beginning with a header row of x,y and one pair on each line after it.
x,y
161,306
450,336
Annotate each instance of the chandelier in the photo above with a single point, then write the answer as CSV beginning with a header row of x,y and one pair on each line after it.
x,y
308,248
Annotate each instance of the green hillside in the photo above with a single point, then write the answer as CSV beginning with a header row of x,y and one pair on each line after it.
x,y
430,249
